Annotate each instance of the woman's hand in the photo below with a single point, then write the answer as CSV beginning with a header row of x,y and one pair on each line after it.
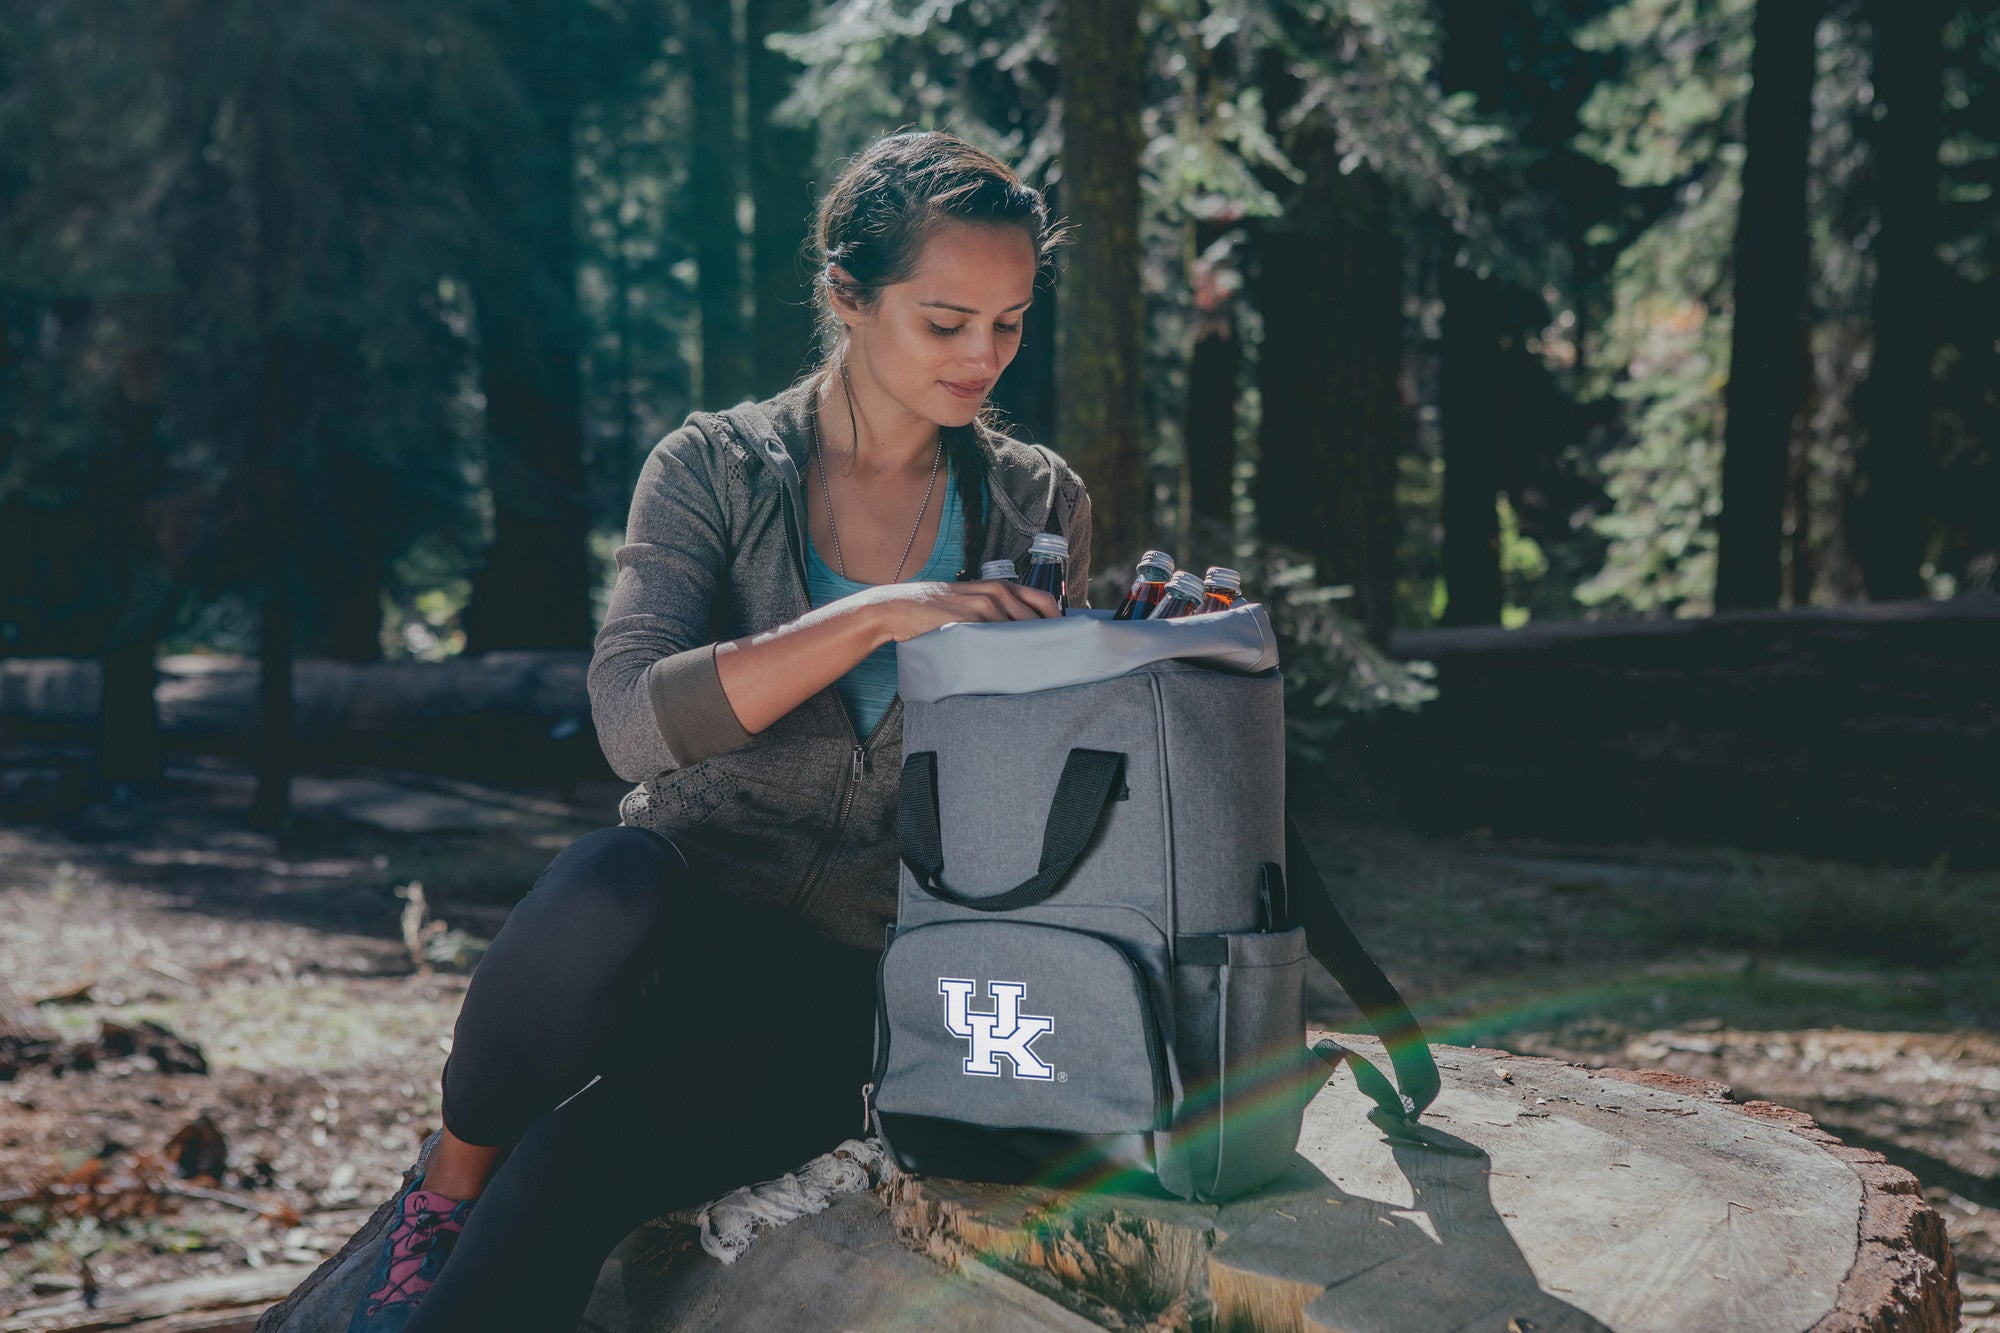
x,y
766,675
909,609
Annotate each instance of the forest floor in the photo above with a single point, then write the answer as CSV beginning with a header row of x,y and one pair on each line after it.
x,y
1869,998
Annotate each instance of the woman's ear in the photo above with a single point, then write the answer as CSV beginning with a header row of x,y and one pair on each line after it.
x,y
840,290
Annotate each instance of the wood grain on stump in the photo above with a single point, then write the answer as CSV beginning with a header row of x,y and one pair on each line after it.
x,y
1564,1198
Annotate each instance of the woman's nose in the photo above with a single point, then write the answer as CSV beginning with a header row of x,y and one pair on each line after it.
x,y
981,354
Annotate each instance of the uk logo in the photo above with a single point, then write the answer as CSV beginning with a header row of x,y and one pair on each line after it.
x,y
1006,1031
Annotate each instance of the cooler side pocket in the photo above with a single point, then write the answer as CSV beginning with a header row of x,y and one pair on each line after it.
x,y
1243,1059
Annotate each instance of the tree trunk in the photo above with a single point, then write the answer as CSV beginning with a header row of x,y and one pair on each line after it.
x,y
781,188
1333,423
1896,402
1769,362
279,414
1471,386
708,206
129,741
1100,407
1210,436
535,589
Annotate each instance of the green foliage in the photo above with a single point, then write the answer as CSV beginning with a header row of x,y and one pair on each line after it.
x,y
1670,127
1332,672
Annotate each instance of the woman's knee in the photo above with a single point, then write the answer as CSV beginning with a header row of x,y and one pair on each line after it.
x,y
613,879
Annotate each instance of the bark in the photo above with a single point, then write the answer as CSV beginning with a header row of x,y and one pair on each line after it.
x,y
708,207
129,740
279,412
1334,423
1891,514
535,589
782,191
1210,431
1471,373
1471,385
1098,381
1769,360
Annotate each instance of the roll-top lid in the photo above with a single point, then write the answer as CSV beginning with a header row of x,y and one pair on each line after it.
x,y
1159,563
999,569
1185,584
1221,576
1085,645
1049,543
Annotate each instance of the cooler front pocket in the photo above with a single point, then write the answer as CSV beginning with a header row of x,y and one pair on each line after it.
x,y
1005,1025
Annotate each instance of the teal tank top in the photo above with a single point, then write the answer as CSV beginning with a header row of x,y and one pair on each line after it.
x,y
868,688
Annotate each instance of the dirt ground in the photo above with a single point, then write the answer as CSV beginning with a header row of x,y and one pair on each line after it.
x,y
1866,997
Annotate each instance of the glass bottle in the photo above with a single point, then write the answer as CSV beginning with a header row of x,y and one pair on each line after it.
x,y
1148,585
1048,566
1224,586
1183,597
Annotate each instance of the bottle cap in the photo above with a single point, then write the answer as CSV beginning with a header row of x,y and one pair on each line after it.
x,y
1219,576
1185,584
1049,543
999,569
1160,563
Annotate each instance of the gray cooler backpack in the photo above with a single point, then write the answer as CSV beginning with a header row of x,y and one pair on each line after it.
x,y
1096,975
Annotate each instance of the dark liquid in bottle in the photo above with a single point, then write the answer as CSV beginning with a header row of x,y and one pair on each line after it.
x,y
1048,576
1139,603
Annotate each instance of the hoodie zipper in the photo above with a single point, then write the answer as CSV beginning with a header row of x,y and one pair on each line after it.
x,y
858,755
850,788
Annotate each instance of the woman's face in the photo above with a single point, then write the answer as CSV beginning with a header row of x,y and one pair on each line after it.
x,y
936,343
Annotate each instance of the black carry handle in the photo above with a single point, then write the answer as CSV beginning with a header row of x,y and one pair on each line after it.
x,y
1088,785
1334,944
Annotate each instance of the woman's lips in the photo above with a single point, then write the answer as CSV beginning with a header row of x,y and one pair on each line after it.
x,y
974,389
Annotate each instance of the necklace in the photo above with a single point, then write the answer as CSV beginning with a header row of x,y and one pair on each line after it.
x,y
826,493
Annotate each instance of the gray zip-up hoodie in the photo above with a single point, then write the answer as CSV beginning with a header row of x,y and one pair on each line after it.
x,y
804,812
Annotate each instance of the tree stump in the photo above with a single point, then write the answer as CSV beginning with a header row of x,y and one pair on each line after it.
x,y
1563,1198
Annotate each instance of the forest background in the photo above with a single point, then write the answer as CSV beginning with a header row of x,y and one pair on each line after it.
x,y
1634,362
340,328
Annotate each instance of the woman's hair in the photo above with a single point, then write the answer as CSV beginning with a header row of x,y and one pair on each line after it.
x,y
892,198
870,233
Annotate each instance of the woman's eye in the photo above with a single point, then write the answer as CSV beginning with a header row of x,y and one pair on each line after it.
x,y
1008,330
943,332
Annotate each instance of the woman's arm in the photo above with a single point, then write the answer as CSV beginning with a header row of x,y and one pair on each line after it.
x,y
653,689
663,696
767,675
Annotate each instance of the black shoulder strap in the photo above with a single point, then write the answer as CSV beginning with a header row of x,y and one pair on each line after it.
x,y
1334,944
1088,785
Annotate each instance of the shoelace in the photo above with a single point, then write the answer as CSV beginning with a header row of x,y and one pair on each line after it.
x,y
427,1216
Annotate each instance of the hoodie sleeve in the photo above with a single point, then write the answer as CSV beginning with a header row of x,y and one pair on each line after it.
x,y
1079,549
655,695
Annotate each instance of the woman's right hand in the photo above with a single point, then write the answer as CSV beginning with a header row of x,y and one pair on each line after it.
x,y
766,675
909,609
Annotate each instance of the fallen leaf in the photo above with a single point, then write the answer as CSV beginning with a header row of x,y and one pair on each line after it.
x,y
199,1150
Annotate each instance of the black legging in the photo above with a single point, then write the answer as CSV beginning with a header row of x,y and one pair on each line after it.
x,y
728,1043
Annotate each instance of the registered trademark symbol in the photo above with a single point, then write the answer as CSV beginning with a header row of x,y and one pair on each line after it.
x,y
1061,1077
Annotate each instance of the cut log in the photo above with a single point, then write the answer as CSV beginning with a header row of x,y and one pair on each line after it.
x,y
1572,1199
228,1303
1578,1199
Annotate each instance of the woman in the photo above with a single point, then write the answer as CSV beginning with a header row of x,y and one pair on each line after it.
x,y
684,1003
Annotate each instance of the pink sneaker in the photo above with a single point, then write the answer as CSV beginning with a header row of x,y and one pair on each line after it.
x,y
426,1229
